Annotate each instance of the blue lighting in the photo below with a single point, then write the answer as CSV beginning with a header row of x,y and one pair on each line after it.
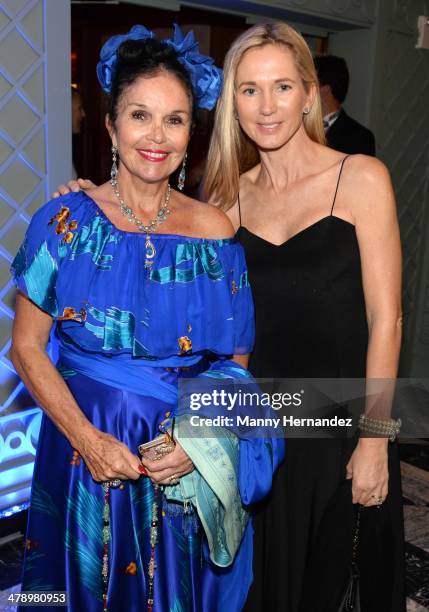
x,y
19,433
11,397
13,510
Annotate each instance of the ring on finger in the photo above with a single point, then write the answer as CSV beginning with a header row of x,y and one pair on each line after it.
x,y
114,483
174,479
378,500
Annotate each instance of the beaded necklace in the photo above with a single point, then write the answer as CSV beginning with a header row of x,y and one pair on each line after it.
x,y
162,215
106,537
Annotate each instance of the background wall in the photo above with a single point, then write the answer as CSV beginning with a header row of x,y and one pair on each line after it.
x,y
390,93
35,154
400,116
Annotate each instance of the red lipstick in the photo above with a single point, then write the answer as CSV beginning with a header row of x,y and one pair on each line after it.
x,y
153,155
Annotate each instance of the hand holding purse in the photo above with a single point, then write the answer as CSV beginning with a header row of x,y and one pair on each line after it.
x,y
157,448
162,445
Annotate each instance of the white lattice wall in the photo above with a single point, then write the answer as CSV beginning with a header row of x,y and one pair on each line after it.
x,y
33,95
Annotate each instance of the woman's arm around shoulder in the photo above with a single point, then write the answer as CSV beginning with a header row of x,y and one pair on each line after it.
x,y
74,186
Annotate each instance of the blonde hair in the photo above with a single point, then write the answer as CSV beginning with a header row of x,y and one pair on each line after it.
x,y
231,152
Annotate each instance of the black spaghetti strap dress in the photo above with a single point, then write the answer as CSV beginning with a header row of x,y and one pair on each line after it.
x,y
311,323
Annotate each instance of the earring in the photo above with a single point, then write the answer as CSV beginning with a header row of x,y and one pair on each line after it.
x,y
114,169
306,111
182,175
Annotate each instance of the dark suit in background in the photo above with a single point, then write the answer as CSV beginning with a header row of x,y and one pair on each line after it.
x,y
349,136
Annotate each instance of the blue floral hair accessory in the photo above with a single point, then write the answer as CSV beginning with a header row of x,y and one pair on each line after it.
x,y
205,76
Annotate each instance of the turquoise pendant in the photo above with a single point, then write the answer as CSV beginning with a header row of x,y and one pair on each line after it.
x,y
150,252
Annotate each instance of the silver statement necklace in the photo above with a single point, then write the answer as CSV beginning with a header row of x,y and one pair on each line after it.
x,y
162,215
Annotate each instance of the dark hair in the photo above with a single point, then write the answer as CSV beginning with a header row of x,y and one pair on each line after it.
x,y
145,58
333,71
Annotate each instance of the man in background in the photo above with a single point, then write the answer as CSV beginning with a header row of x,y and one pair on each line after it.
x,y
342,132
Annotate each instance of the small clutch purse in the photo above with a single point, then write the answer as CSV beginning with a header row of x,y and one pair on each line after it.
x,y
161,445
158,447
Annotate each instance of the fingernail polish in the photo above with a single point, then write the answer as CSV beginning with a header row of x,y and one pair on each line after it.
x,y
142,469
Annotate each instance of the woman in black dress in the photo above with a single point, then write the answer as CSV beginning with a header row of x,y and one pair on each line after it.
x,y
323,251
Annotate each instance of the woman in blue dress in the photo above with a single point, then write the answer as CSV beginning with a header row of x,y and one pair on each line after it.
x,y
142,285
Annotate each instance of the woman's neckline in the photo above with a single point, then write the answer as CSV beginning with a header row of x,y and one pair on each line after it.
x,y
102,214
298,234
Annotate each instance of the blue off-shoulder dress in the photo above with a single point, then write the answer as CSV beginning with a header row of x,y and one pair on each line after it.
x,y
126,334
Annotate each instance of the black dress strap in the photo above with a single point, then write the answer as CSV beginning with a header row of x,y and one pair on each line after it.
x,y
338,182
239,208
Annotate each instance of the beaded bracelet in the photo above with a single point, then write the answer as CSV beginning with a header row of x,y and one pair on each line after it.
x,y
379,428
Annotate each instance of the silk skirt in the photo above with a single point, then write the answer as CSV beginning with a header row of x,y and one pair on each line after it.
x,y
64,545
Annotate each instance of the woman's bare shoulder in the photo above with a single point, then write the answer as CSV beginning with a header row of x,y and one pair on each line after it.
x,y
366,169
101,193
208,220
367,187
